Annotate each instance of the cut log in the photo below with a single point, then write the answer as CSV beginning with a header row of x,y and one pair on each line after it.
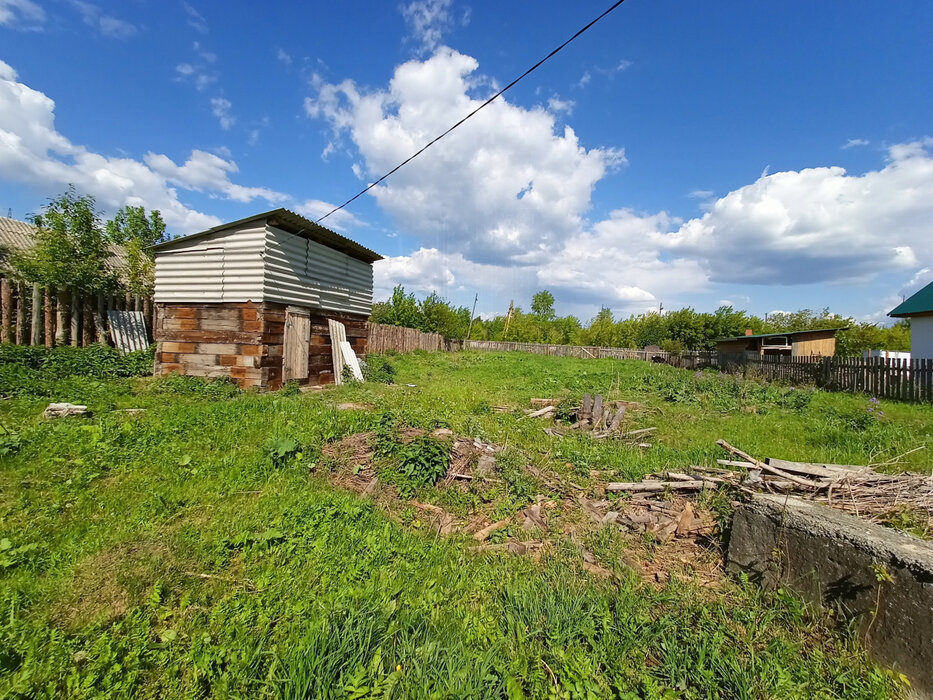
x,y
541,403
655,486
546,411
587,409
61,410
617,420
597,412
484,534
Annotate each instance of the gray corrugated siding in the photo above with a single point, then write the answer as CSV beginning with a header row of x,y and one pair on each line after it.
x,y
264,264
302,272
226,266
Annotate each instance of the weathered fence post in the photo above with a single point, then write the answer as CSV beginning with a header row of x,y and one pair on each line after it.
x,y
75,318
61,321
49,318
6,311
20,313
35,328
99,316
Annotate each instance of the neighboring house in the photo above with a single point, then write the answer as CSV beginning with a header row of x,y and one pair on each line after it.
x,y
815,343
238,299
919,309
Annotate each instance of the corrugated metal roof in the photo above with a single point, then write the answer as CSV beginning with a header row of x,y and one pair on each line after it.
x,y
919,303
17,236
293,223
784,333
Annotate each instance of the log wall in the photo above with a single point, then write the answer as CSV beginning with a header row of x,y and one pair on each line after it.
x,y
243,341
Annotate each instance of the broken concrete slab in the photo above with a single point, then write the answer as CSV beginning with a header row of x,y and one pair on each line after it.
x,y
840,561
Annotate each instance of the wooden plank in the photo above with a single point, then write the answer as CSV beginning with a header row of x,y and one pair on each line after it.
x,y
36,317
128,330
349,357
6,310
20,314
297,341
337,334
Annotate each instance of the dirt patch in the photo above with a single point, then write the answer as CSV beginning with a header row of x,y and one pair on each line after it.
x,y
105,585
353,460
664,539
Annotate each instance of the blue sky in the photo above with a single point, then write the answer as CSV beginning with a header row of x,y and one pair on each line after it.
x,y
775,156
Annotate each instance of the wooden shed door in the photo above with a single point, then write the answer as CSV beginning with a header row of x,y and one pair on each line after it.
x,y
297,340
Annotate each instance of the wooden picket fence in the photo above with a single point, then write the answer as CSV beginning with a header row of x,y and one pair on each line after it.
x,y
400,339
888,378
34,315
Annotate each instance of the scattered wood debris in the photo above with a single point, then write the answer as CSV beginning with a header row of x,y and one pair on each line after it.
x,y
857,489
61,410
596,416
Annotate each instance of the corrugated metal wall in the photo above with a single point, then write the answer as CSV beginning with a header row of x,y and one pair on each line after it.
x,y
264,264
224,266
302,272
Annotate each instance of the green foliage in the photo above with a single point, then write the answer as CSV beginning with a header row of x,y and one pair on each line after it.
x,y
70,249
33,370
379,369
282,450
172,561
202,387
675,331
132,224
542,304
417,464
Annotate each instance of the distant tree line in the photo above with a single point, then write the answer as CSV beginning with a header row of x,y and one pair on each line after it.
x,y
674,331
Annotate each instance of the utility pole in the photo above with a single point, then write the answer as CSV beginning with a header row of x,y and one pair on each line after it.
x,y
470,329
508,318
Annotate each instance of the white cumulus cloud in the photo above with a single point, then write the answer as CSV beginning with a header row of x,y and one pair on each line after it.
x,y
508,185
222,108
34,153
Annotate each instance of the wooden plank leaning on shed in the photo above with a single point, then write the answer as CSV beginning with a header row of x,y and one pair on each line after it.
x,y
349,357
338,334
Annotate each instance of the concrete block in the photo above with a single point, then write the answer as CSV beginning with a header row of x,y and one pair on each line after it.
x,y
831,558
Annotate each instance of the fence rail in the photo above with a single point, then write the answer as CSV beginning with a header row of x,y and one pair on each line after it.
x,y
34,315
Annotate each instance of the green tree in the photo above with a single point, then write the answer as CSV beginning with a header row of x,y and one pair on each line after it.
x,y
542,304
136,232
70,249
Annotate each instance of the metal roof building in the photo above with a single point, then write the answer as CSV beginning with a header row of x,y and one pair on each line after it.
x,y
250,299
919,309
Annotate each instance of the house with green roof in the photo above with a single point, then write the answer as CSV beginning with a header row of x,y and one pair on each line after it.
x,y
919,309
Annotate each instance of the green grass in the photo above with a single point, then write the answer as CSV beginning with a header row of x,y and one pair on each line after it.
x,y
198,549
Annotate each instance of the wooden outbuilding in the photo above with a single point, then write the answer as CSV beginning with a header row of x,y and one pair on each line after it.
x,y
812,343
251,300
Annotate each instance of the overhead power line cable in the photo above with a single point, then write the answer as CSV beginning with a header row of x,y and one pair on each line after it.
x,y
486,103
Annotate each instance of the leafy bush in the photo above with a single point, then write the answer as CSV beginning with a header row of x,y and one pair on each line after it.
x,y
98,361
39,371
420,463
379,369
282,450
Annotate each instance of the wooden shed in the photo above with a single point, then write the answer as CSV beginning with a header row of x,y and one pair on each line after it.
x,y
812,343
251,300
